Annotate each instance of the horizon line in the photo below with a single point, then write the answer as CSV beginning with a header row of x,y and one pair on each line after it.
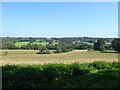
x,y
57,37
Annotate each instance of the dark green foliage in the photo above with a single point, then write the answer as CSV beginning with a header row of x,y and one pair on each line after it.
x,y
101,65
51,47
44,50
62,47
115,65
61,76
29,46
56,71
78,69
9,45
116,44
99,45
58,50
82,46
100,80
108,46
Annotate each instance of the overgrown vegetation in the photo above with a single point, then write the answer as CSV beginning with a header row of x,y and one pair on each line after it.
x,y
93,75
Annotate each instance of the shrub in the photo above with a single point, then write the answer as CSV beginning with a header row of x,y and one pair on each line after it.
x,y
77,70
115,65
56,71
60,75
44,51
100,65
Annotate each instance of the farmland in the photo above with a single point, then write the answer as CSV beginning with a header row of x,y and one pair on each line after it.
x,y
19,44
59,45
30,57
27,63
69,64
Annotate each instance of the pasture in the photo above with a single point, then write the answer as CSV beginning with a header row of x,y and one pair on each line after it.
x,y
19,44
30,57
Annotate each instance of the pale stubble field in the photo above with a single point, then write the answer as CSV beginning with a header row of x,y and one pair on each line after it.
x,y
30,57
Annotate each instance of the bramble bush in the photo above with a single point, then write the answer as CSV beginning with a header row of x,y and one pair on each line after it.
x,y
74,75
101,65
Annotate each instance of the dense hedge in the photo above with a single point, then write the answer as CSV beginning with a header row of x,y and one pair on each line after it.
x,y
92,75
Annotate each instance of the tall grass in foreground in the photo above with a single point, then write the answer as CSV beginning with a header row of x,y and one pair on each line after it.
x,y
93,75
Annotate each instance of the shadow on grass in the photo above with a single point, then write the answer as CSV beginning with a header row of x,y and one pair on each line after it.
x,y
57,76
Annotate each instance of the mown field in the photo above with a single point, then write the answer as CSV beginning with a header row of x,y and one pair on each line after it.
x,y
81,56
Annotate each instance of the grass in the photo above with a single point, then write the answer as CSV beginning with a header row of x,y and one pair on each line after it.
x,y
42,43
89,43
30,57
19,44
108,43
74,75
93,43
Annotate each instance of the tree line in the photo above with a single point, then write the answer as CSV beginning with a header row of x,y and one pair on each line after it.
x,y
64,44
43,39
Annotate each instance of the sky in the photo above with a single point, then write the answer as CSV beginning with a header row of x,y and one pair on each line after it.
x,y
60,19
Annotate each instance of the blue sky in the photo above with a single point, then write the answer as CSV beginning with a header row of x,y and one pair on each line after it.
x,y
60,19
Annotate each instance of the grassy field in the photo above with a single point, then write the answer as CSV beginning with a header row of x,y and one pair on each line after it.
x,y
89,43
19,44
107,43
30,57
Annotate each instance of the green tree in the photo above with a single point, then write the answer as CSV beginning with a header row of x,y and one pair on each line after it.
x,y
58,50
116,44
29,46
44,50
99,45
35,46
11,46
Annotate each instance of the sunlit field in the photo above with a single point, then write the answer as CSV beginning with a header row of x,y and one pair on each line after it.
x,y
81,56
19,44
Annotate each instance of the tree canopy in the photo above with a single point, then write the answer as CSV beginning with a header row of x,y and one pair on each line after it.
x,y
116,44
99,45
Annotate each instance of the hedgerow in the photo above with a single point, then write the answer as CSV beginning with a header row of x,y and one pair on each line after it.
x,y
74,75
